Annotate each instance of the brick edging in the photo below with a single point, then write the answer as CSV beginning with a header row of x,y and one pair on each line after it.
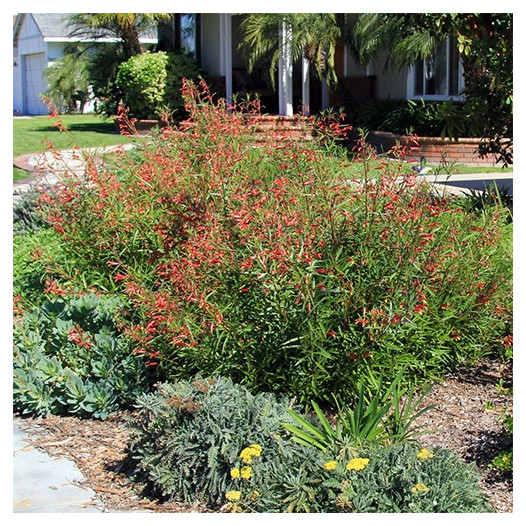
x,y
462,150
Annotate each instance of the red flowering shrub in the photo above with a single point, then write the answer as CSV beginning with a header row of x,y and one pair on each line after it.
x,y
268,262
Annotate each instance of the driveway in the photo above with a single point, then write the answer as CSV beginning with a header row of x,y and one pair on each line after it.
x,y
466,183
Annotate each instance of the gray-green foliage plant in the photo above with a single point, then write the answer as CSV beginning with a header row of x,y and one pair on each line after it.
x,y
402,478
213,442
26,216
189,434
70,358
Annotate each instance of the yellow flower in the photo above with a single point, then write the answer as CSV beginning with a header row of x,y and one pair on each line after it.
x,y
246,472
234,473
420,488
357,464
330,465
252,451
257,449
233,495
255,494
425,453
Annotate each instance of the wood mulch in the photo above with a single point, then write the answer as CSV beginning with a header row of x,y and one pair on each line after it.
x,y
467,419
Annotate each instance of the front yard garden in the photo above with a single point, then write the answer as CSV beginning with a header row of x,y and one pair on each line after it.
x,y
270,316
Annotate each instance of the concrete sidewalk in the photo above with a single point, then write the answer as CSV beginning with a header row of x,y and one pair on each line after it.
x,y
462,184
45,168
43,484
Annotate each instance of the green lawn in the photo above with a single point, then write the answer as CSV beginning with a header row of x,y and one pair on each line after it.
x,y
30,135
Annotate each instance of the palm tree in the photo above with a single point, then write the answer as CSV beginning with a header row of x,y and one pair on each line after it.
x,y
313,36
126,27
407,36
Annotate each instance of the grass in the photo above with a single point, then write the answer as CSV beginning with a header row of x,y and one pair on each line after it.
x,y
85,131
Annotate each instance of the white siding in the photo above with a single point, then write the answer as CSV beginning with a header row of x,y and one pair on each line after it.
x,y
390,83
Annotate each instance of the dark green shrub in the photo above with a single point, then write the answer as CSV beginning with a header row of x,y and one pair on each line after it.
x,y
431,119
70,358
151,83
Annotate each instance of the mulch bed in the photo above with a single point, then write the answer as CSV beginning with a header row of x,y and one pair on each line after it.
x,y
467,419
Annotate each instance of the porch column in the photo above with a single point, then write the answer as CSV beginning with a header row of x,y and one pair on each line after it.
x,y
225,30
285,71
305,87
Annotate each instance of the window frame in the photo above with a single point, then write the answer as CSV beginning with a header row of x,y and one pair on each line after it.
x,y
411,80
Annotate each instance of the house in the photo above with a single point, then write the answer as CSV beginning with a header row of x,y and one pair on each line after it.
x,y
214,38
38,40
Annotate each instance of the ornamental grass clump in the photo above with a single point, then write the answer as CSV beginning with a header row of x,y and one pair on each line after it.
x,y
277,265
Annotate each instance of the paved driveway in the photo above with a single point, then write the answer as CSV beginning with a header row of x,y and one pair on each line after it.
x,y
464,184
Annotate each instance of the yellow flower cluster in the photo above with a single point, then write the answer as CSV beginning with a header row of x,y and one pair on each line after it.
x,y
330,465
244,473
249,452
425,453
357,464
420,488
233,495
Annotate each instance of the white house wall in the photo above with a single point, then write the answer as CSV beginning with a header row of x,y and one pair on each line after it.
x,y
27,69
55,50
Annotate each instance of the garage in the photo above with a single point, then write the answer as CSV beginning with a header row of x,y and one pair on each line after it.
x,y
35,83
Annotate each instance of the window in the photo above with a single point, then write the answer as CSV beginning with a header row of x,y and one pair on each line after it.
x,y
189,33
439,76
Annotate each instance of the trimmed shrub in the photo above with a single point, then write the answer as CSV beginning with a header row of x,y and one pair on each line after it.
x,y
151,83
69,358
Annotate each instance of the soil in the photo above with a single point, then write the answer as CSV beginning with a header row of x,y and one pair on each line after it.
x,y
467,419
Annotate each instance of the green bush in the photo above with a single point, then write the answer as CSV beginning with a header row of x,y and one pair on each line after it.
x,y
70,358
427,119
212,441
275,267
31,264
151,83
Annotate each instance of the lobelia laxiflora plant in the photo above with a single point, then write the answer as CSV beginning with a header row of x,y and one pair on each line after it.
x,y
271,263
